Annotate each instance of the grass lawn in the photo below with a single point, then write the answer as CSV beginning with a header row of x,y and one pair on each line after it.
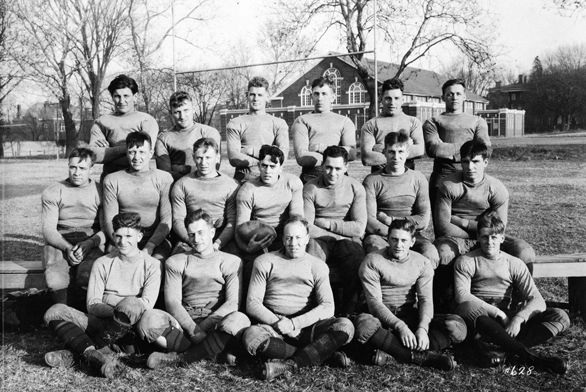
x,y
547,185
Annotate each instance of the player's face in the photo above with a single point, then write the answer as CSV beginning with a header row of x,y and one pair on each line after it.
x,y
490,243
139,157
206,160
392,102
454,97
257,99
323,98
295,239
183,115
201,236
124,100
397,156
400,241
269,170
79,171
334,169
126,240
474,168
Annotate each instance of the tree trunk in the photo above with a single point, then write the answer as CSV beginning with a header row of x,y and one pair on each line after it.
x,y
70,131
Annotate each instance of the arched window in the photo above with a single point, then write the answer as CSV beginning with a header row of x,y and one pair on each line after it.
x,y
356,93
305,95
334,75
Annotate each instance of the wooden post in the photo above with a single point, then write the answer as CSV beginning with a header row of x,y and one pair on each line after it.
x,y
577,295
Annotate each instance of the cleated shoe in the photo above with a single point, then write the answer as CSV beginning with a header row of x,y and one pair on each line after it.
x,y
159,360
273,369
104,361
553,364
489,355
433,359
60,358
381,358
339,359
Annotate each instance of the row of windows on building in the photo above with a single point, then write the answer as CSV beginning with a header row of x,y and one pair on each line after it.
x,y
356,93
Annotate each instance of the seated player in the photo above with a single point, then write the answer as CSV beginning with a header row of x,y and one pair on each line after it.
x,y
335,207
397,192
268,200
291,301
202,293
313,132
142,190
209,190
486,281
71,212
110,130
392,119
461,198
444,134
247,133
122,285
173,147
397,285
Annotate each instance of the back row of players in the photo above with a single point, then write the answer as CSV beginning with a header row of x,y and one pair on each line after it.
x,y
245,238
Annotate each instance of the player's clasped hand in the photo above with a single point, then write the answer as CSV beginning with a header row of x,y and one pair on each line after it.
x,y
255,244
407,337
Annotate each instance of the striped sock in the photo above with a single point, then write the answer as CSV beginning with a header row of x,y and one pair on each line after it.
x,y
73,336
386,340
209,348
176,340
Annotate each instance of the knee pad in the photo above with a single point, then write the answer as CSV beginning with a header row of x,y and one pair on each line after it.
x,y
234,323
558,321
129,311
342,324
253,337
456,328
55,313
365,327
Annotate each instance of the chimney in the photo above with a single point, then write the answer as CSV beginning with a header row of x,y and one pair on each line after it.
x,y
521,78
498,84
18,111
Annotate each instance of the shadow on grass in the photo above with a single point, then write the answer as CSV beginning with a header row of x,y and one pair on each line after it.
x,y
19,247
12,191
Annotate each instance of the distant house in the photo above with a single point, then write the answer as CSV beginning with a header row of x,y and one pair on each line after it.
x,y
510,96
422,92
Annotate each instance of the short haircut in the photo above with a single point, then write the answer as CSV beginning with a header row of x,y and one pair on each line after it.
x,y
206,142
83,154
453,82
335,152
401,137
198,214
298,219
178,98
130,220
258,81
138,139
474,147
392,84
274,152
321,81
403,224
489,219
123,81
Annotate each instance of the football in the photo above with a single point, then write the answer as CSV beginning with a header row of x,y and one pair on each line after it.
x,y
247,230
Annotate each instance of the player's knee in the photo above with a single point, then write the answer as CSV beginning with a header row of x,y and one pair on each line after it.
x,y
365,326
430,252
234,323
373,243
447,251
342,324
557,320
253,337
55,312
314,248
456,328
470,311
129,311
57,278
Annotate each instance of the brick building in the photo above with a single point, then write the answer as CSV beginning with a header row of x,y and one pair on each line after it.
x,y
422,93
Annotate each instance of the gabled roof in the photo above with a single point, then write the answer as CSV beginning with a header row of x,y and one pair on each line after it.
x,y
417,81
510,88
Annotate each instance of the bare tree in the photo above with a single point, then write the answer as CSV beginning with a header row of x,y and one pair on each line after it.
x,y
478,77
10,49
208,91
413,28
48,62
96,32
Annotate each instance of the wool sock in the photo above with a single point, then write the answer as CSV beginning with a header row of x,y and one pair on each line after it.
x,y
214,343
277,348
492,329
73,336
59,296
386,340
176,340
320,349
438,340
536,335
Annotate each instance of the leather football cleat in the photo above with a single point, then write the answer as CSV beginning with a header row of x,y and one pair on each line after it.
x,y
381,358
273,369
60,358
159,360
433,359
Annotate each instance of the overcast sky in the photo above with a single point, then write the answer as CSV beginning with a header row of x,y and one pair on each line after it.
x,y
526,28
